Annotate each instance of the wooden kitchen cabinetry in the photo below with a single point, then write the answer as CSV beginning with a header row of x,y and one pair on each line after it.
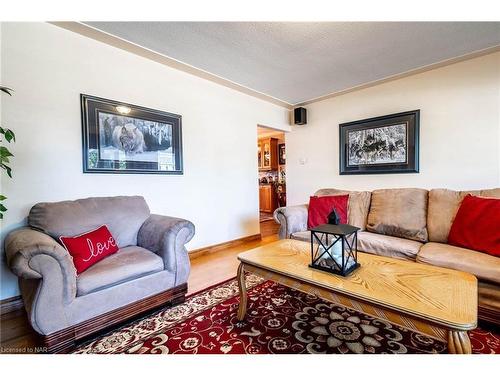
x,y
267,154
268,199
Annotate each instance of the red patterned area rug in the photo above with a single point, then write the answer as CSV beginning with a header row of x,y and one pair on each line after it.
x,y
279,320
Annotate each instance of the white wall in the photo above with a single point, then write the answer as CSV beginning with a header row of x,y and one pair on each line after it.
x,y
49,67
459,131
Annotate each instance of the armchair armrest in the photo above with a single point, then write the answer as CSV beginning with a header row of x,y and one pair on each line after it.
x,y
167,237
33,255
292,219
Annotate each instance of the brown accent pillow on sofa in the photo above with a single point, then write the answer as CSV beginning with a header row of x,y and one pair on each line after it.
x,y
399,213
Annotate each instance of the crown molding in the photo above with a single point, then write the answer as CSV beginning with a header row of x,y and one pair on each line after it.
x,y
408,73
112,40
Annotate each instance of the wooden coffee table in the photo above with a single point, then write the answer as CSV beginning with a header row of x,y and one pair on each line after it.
x,y
435,301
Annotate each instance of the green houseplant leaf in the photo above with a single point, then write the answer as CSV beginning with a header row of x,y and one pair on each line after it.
x,y
5,154
7,169
9,135
6,90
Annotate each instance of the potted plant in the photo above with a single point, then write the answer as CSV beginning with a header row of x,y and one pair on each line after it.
x,y
9,136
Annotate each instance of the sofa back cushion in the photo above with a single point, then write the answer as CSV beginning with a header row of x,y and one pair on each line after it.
x,y
122,215
399,213
443,206
358,205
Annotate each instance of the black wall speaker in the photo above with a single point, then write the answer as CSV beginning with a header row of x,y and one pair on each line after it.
x,y
299,116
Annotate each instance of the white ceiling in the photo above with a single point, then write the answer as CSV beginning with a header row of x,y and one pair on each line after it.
x,y
298,61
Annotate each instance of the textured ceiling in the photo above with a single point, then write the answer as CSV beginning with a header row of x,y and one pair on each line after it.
x,y
297,61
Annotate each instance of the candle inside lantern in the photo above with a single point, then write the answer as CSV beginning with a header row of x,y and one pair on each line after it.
x,y
334,252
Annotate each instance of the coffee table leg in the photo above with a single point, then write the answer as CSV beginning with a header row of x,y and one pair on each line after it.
x,y
459,342
242,309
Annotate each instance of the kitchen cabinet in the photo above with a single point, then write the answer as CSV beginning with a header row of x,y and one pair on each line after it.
x,y
268,199
267,154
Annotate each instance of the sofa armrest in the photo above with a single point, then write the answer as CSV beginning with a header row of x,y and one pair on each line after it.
x,y
167,237
31,254
292,219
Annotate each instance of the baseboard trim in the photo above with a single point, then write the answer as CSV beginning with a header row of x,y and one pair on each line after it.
x,y
223,246
11,304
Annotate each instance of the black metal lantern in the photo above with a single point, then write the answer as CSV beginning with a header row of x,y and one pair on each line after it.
x,y
334,248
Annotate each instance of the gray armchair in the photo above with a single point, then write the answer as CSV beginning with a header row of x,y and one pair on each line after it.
x,y
150,269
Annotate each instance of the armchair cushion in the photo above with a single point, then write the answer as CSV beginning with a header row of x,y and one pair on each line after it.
x,y
122,215
129,263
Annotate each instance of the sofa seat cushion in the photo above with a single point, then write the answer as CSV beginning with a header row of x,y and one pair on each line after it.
x,y
301,236
483,266
378,244
489,296
129,263
388,246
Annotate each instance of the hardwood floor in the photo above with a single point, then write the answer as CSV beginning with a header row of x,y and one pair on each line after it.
x,y
268,228
213,268
16,335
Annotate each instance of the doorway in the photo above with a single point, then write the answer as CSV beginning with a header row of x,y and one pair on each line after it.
x,y
271,162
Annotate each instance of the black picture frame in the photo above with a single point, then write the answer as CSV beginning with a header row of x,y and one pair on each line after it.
x,y
378,145
281,154
141,141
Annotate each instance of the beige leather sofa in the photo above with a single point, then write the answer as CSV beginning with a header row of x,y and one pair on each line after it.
x,y
411,224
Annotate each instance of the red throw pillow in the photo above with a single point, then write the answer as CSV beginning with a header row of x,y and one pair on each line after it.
x,y
321,207
477,225
89,248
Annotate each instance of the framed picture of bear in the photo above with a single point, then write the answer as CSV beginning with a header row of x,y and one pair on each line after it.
x,y
386,144
125,138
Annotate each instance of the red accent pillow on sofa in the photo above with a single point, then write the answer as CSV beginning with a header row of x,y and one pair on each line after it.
x,y
321,207
477,225
90,247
